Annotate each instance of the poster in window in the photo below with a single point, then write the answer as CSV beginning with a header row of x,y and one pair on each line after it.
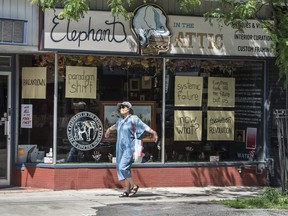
x,y
187,125
221,92
81,82
251,138
34,82
220,125
26,116
188,91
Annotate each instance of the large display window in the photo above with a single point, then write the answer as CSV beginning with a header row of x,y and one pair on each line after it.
x,y
213,108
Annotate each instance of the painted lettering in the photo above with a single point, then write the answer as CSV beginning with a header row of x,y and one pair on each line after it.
x,y
96,35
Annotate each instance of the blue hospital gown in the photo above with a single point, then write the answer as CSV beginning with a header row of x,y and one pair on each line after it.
x,y
124,144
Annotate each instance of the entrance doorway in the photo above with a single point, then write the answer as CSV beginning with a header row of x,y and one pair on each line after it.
x,y
5,128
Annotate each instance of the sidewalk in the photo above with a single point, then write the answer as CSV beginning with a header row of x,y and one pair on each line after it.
x,y
194,193
33,201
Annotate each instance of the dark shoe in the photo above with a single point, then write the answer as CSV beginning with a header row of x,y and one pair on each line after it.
x,y
134,190
124,194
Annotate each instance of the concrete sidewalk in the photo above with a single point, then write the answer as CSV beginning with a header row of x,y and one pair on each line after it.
x,y
33,201
165,193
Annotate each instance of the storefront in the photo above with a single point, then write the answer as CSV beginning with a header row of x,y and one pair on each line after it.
x,y
203,89
18,36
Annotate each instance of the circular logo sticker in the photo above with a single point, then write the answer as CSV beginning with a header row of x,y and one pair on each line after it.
x,y
84,131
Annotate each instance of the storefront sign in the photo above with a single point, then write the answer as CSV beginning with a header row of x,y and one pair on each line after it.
x,y
220,125
187,125
99,31
26,116
188,91
192,35
221,92
81,82
150,27
84,131
34,83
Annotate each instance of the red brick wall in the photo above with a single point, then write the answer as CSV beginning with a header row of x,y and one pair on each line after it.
x,y
86,178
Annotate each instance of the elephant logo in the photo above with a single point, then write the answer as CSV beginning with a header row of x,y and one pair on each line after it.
x,y
149,26
84,131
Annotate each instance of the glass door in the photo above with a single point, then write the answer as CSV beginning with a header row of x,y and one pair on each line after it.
x,y
5,116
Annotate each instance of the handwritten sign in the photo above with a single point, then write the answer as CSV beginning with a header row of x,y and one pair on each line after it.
x,y
187,125
34,83
81,82
221,92
26,115
220,125
188,91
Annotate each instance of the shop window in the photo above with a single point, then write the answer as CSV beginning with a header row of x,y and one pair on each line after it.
x,y
116,79
213,110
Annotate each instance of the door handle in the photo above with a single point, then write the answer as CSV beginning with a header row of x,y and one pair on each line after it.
x,y
5,127
6,124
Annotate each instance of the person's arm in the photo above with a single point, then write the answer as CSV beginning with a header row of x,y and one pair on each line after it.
x,y
154,133
107,133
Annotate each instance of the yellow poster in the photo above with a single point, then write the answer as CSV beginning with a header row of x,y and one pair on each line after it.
x,y
221,92
81,82
188,91
187,125
220,125
34,82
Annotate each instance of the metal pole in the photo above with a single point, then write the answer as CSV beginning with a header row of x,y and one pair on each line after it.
x,y
55,108
163,112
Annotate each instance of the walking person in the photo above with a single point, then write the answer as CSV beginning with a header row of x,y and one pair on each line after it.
x,y
125,144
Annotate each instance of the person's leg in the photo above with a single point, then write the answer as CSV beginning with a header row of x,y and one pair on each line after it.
x,y
128,186
131,182
133,187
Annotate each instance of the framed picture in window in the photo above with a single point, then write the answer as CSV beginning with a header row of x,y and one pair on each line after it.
x,y
145,110
134,84
146,82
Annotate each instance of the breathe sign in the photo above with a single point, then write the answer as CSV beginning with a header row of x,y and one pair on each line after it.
x,y
34,83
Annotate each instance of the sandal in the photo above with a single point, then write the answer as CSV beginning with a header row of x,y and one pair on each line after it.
x,y
134,190
124,194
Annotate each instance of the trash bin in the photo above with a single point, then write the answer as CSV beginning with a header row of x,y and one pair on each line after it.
x,y
281,120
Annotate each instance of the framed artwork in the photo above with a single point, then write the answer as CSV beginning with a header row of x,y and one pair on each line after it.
x,y
240,136
142,98
145,110
134,84
146,82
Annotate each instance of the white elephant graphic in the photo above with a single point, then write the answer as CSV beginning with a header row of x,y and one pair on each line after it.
x,y
149,21
86,128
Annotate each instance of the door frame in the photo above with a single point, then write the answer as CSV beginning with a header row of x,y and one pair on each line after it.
x,y
6,182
